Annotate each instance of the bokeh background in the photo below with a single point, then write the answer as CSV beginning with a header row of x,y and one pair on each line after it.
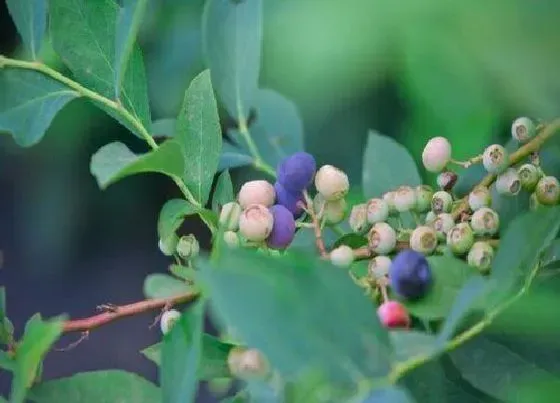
x,y
410,70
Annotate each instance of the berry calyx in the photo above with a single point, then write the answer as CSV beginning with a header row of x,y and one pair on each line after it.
x,y
410,275
168,320
479,197
405,199
508,183
331,182
256,222
485,221
382,238
188,247
424,194
523,129
256,192
495,159
442,202
548,191
436,154
358,219
424,240
393,315
460,238
295,172
229,216
283,228
529,176
377,211
293,201
342,256
480,256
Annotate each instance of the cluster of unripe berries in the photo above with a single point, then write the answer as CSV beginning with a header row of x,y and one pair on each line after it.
x,y
186,246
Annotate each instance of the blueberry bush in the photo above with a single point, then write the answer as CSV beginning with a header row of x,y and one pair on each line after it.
x,y
434,278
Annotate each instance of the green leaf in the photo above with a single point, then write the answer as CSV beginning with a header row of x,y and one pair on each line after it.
x,y
172,215
127,26
305,239
183,272
29,103
213,363
164,127
224,191
37,339
233,157
83,34
381,155
159,285
198,131
232,36
509,207
296,290
108,386
7,362
449,276
30,17
353,240
115,161
411,344
389,394
6,327
551,258
181,355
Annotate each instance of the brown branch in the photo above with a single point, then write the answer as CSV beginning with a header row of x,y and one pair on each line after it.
x,y
319,242
122,311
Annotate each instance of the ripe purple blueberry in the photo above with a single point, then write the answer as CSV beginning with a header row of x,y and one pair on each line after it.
x,y
293,201
296,171
393,315
283,228
410,275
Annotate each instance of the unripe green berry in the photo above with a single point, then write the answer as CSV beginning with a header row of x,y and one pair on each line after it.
x,y
479,197
382,238
335,211
508,183
443,224
168,320
523,129
188,247
460,238
246,363
168,246
231,239
442,202
389,198
424,240
436,154
405,199
529,176
485,221
424,194
343,256
377,211
378,268
331,182
229,216
548,191
480,256
446,180
358,218
256,192
430,217
495,159
255,223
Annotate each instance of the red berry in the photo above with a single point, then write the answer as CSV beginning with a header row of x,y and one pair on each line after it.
x,y
393,315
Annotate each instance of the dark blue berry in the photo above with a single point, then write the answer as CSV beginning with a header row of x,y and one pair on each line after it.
x,y
296,171
283,229
410,275
291,200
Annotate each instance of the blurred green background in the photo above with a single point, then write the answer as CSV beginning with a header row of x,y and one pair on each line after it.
x,y
411,70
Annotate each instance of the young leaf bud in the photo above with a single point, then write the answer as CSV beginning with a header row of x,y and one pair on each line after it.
x,y
168,319
443,224
256,192
424,240
389,198
295,172
283,228
424,194
460,238
358,218
393,315
508,183
446,180
343,256
256,222
529,176
410,275
377,210
485,221
523,129
229,216
436,154
293,201
331,182
548,191
480,256
442,202
495,159
231,239
378,267
246,363
430,217
479,197
405,199
168,245
382,239
188,247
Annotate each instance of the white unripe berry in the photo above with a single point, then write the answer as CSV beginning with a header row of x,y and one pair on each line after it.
x,y
331,182
168,246
529,176
485,221
424,194
508,183
442,202
168,319
405,199
430,217
229,216
548,191
342,256
443,224
523,129
436,154
256,192
377,210
424,240
335,211
389,198
460,238
255,223
188,247
378,267
495,159
480,256
479,197
231,239
382,238
358,218
246,363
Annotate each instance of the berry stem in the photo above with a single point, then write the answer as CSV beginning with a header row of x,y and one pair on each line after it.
x,y
258,162
319,242
471,161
